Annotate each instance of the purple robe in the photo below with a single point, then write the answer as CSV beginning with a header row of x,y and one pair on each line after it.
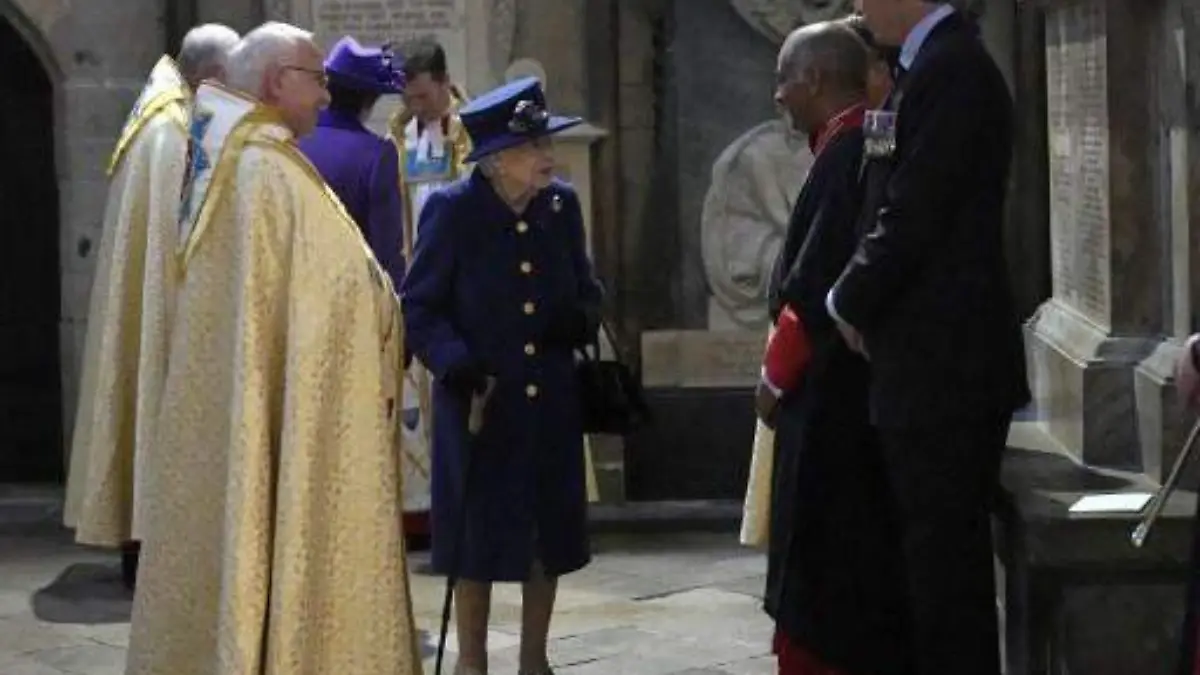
x,y
363,170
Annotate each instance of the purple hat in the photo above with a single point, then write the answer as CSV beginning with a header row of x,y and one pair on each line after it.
x,y
371,69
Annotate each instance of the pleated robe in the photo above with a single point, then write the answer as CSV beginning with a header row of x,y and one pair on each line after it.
x,y
277,548
124,355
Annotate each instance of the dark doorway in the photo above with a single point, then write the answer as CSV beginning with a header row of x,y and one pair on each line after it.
x,y
31,437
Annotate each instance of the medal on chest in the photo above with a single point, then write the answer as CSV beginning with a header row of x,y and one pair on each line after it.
x,y
879,134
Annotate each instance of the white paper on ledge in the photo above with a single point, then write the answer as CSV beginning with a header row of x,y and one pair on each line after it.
x,y
1125,502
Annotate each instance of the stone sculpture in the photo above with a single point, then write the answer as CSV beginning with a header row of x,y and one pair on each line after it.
x,y
755,182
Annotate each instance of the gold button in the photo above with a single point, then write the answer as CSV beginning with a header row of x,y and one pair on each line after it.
x,y
529,308
531,391
530,349
526,267
522,227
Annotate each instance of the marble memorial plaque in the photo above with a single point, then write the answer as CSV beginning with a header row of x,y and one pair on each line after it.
x,y
1077,74
394,22
376,22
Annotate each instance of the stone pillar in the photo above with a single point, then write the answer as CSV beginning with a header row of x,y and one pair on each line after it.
x,y
97,79
551,32
998,25
1105,314
240,15
1163,422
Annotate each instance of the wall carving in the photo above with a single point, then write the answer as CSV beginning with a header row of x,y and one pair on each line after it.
x,y
502,33
776,18
755,182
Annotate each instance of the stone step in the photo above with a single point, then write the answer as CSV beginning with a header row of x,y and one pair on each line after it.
x,y
37,507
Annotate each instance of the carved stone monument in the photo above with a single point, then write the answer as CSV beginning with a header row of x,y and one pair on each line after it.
x,y
1079,597
476,34
1105,312
733,215
755,182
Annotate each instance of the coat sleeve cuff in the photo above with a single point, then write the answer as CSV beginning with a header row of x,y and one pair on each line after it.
x,y
831,307
445,356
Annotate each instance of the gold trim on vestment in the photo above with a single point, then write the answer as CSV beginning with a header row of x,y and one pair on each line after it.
x,y
221,172
156,104
226,166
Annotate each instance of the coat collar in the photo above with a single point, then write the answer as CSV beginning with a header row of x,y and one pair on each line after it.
x,y
333,119
920,33
494,203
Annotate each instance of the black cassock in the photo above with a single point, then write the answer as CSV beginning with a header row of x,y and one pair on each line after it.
x,y
835,581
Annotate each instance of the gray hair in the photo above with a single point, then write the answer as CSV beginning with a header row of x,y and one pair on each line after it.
x,y
487,165
829,48
205,51
262,48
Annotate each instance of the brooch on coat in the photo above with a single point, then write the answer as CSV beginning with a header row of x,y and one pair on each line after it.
x,y
556,203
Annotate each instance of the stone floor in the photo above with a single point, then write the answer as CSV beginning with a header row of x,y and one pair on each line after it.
x,y
648,605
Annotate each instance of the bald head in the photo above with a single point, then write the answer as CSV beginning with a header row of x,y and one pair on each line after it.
x,y
205,52
828,54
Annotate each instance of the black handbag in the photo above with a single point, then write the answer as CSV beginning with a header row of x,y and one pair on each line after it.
x,y
610,397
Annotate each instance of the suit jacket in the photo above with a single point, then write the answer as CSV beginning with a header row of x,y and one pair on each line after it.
x,y
363,170
928,287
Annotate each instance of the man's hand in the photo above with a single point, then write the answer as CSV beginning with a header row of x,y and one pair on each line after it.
x,y
853,338
766,405
1187,375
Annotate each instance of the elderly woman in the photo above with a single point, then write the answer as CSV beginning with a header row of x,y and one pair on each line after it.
x,y
498,296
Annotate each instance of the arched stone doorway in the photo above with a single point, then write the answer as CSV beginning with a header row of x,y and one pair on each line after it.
x,y
31,434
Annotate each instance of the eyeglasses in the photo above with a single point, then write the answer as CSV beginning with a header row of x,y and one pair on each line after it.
x,y
319,76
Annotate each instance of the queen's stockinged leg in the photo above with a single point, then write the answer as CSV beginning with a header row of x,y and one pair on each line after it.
x,y
537,606
472,604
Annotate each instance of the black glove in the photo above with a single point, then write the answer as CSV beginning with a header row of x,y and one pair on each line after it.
x,y
569,328
466,379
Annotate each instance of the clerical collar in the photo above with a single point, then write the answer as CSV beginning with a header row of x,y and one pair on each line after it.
x,y
850,118
920,33
445,124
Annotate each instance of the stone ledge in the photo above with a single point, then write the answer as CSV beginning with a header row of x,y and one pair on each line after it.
x,y
1077,596
667,516
29,509
39,508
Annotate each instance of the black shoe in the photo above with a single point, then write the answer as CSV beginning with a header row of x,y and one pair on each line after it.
x,y
418,542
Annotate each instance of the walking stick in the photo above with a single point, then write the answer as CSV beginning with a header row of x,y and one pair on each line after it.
x,y
1154,510
474,425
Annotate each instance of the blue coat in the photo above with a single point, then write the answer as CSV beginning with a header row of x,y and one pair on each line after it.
x,y
469,294
363,170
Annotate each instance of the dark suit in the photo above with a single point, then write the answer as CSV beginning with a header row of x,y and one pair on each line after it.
x,y
928,289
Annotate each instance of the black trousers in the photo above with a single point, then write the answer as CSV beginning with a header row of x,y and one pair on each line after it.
x,y
945,481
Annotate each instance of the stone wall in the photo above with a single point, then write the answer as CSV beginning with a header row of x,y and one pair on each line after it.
x,y
97,78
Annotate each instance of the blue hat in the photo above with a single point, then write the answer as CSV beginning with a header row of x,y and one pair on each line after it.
x,y
509,116
371,69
